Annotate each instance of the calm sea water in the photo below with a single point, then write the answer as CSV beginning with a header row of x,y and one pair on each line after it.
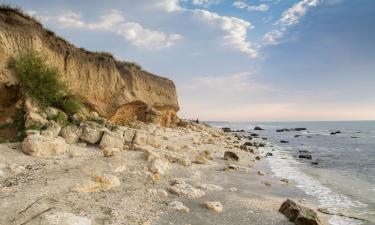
x,y
344,179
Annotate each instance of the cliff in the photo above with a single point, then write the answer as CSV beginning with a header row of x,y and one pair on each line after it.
x,y
116,90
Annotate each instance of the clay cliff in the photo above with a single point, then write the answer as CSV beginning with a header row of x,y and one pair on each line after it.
x,y
119,91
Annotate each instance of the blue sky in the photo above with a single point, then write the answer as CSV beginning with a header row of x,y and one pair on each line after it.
x,y
249,60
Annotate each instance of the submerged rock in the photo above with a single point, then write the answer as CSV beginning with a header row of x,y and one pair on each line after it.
x,y
226,129
305,156
299,214
258,128
214,206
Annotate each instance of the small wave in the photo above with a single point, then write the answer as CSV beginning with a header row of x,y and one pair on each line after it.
x,y
282,167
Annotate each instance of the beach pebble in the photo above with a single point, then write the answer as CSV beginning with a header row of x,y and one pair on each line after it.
x,y
214,206
260,173
178,206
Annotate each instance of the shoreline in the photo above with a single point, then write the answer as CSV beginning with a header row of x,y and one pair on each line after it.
x,y
133,193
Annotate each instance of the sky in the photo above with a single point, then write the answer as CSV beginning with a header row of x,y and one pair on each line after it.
x,y
248,60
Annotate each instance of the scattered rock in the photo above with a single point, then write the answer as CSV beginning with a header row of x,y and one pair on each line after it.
x,y
269,154
112,140
178,206
260,173
254,135
284,142
210,187
335,132
64,218
258,128
71,134
108,151
33,119
159,166
41,146
31,132
52,131
284,180
283,130
233,189
98,183
228,155
226,129
199,159
257,157
91,132
214,206
305,156
299,129
299,214
267,184
181,188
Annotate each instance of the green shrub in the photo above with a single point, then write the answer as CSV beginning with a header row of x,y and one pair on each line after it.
x,y
38,80
70,105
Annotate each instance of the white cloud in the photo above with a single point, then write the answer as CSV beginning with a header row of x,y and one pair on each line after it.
x,y
168,5
243,5
142,37
114,21
293,14
273,36
289,18
205,3
235,31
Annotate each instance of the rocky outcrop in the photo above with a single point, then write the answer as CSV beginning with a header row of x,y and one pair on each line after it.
x,y
116,90
299,214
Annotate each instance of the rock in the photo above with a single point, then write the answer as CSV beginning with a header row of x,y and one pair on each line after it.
x,y
199,159
63,218
305,156
248,144
52,131
299,129
298,135
41,146
233,189
91,132
214,206
33,119
283,130
284,142
210,187
207,154
71,134
181,188
31,132
315,163
140,138
257,157
299,214
231,167
335,132
112,140
159,166
267,184
269,154
178,206
226,129
284,180
108,151
129,135
258,128
260,173
98,183
228,155
254,135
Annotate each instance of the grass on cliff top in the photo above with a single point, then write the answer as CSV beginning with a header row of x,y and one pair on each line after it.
x,y
42,82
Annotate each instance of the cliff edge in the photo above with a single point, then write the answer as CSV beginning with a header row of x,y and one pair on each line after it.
x,y
119,91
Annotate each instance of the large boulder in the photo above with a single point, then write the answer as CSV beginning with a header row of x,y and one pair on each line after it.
x,y
71,134
53,130
140,138
129,135
35,120
91,132
112,140
41,146
299,214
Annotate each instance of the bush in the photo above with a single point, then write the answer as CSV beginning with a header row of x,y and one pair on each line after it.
x,y
41,82
38,80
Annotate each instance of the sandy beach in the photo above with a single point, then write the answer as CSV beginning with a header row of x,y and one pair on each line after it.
x,y
129,188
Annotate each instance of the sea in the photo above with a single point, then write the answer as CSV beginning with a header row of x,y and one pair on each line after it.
x,y
341,173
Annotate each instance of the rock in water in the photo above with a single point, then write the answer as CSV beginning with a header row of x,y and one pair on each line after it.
x,y
226,129
228,155
214,206
258,128
38,145
299,214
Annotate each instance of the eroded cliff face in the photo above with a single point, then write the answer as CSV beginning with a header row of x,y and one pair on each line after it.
x,y
116,91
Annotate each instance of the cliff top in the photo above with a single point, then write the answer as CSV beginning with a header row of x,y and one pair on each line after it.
x,y
17,18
